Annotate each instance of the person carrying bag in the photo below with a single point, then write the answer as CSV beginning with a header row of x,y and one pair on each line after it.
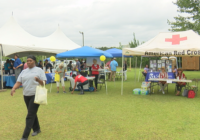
x,y
30,78
41,95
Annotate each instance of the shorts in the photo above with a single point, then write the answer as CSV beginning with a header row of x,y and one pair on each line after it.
x,y
62,82
113,73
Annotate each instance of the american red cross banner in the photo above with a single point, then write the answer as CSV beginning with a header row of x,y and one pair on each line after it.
x,y
185,43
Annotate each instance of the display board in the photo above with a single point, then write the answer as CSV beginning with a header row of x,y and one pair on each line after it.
x,y
156,65
89,61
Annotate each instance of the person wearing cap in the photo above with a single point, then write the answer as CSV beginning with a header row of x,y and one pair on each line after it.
x,y
30,78
179,85
17,66
113,67
82,81
61,71
163,75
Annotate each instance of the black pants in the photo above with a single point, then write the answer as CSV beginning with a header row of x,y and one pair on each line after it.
x,y
179,87
96,80
80,85
7,71
31,118
145,74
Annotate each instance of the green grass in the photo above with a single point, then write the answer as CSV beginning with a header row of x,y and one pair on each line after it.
x,y
101,116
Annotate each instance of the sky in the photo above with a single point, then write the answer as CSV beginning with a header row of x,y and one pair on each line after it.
x,y
104,22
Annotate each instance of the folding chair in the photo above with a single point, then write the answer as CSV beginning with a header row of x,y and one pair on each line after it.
x,y
195,86
101,80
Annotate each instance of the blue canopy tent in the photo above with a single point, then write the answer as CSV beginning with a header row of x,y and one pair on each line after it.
x,y
116,52
83,52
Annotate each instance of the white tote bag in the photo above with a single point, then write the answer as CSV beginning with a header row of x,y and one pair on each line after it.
x,y
41,95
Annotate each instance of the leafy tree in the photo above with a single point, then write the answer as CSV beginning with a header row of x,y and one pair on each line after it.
x,y
191,21
134,43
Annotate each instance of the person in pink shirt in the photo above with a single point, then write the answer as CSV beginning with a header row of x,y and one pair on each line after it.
x,y
82,81
25,66
108,63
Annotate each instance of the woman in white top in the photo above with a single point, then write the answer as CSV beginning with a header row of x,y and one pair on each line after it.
x,y
61,71
30,78
163,75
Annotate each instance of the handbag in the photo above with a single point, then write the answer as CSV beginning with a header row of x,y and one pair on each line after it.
x,y
41,95
185,93
57,77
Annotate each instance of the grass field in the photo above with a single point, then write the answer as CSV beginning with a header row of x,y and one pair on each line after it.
x,y
101,116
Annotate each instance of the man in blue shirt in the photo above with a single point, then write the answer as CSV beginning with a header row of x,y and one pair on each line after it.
x,y
113,67
17,66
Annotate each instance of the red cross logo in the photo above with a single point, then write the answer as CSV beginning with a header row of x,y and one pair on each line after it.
x,y
175,39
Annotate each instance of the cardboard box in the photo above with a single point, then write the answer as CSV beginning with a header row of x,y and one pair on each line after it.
x,y
146,84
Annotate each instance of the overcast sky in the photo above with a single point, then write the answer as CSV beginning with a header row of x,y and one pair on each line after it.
x,y
104,22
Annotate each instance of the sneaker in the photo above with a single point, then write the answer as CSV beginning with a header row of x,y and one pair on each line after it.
x,y
163,92
36,133
57,92
64,92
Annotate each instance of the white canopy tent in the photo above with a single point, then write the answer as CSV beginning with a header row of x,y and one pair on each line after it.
x,y
185,43
14,39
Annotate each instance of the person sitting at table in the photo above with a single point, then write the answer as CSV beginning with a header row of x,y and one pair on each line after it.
x,y
163,75
95,72
61,71
175,71
82,81
180,85
7,67
146,69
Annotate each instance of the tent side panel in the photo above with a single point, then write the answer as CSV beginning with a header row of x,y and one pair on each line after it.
x,y
190,63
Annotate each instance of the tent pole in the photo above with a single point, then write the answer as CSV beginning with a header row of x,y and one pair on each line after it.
x,y
140,69
133,61
105,77
1,68
135,66
122,75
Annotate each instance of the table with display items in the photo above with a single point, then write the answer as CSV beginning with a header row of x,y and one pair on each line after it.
x,y
85,87
50,77
151,75
9,80
154,81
